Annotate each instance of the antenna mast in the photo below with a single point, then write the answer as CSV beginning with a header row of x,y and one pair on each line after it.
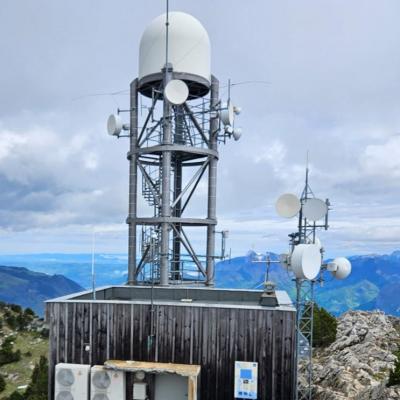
x,y
306,262
166,32
304,304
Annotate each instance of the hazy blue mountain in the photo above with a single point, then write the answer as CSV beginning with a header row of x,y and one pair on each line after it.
x,y
373,284
30,289
110,269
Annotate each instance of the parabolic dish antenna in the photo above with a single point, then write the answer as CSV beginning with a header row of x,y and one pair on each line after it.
x,y
314,209
288,205
342,268
114,125
306,261
176,92
227,113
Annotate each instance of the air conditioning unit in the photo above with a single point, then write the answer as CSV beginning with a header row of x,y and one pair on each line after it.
x,y
106,384
72,382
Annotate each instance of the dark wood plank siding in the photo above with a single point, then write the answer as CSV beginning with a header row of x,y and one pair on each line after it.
x,y
211,337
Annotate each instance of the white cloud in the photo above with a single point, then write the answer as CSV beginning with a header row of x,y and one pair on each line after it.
x,y
274,154
382,159
50,179
8,141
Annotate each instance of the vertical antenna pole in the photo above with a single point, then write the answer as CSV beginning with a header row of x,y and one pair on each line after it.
x,y
307,173
166,169
166,187
132,157
167,34
212,185
303,224
93,270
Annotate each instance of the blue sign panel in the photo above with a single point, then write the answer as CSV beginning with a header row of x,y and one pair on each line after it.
x,y
246,380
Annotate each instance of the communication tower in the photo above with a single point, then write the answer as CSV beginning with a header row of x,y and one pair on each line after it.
x,y
305,260
177,121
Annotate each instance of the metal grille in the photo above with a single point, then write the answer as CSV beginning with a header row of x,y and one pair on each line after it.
x,y
65,377
101,380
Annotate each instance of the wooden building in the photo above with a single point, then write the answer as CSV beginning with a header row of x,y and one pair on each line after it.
x,y
211,328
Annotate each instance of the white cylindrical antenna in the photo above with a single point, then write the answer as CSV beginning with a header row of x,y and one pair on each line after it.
x,y
340,268
227,114
114,125
306,261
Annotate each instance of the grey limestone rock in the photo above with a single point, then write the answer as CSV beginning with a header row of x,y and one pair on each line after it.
x,y
357,365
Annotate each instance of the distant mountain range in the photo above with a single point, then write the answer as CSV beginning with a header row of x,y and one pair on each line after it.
x,y
373,284
110,269
30,289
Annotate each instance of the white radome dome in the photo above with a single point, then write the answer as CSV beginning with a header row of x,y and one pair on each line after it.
x,y
188,51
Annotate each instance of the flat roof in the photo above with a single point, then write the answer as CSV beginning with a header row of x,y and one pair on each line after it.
x,y
193,296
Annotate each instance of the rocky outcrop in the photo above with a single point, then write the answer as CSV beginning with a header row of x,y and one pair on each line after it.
x,y
357,365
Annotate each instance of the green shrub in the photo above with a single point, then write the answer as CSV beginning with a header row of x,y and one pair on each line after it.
x,y
394,377
7,355
2,383
325,327
16,396
16,308
23,320
10,319
37,389
45,333
29,311
17,319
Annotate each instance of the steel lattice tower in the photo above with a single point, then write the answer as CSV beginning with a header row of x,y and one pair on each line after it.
x,y
176,123
305,301
161,151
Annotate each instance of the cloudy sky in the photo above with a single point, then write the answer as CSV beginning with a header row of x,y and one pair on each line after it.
x,y
333,73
